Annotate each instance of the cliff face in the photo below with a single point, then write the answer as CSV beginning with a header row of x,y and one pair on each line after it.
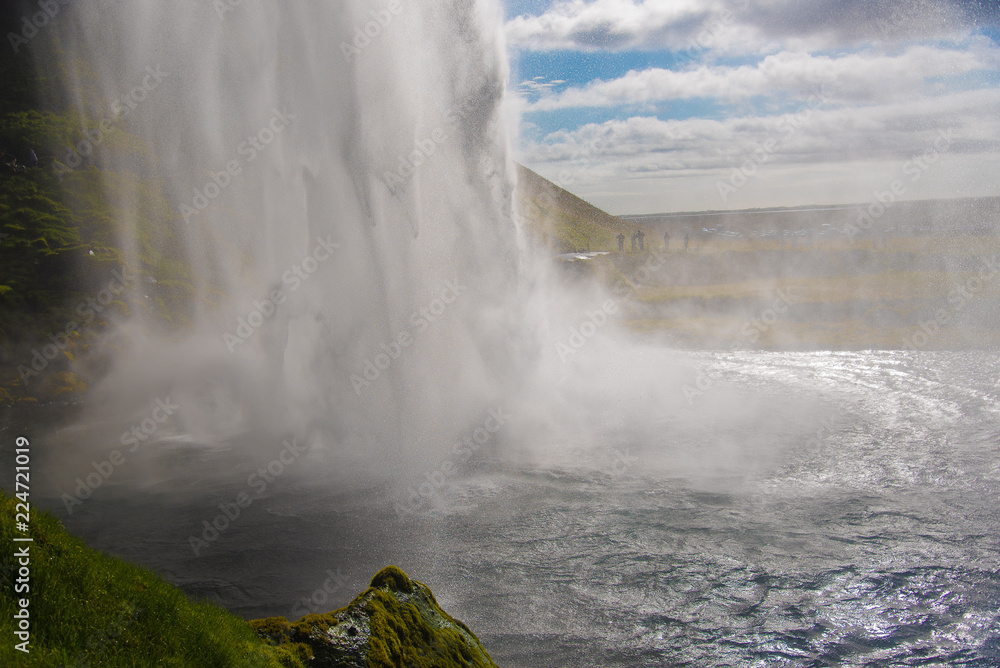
x,y
65,277
395,622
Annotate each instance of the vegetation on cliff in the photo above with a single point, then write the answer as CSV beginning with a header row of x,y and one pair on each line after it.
x,y
395,622
559,220
89,609
61,214
85,608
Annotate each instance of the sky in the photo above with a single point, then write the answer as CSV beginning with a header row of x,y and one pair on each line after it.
x,y
649,106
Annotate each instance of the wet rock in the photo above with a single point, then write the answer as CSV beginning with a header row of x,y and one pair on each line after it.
x,y
395,622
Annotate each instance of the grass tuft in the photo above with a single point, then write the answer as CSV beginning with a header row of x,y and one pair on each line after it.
x,y
89,609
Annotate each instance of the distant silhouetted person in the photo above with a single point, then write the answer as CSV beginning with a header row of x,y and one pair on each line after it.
x,y
685,242
621,242
634,238
666,240
641,237
32,158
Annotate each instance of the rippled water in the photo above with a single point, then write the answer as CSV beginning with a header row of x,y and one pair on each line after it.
x,y
872,542
846,515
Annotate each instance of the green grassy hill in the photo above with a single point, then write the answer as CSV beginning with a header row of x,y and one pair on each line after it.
x,y
925,288
561,221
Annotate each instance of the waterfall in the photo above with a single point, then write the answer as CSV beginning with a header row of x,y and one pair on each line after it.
x,y
337,219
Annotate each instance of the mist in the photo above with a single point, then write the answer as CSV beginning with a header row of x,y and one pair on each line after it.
x,y
340,263
348,335
358,280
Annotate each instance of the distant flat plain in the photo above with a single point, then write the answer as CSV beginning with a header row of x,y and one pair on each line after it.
x,y
924,275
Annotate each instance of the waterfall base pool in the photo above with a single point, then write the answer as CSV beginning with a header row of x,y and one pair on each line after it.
x,y
868,536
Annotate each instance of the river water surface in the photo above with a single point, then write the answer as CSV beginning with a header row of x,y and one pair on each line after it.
x,y
854,521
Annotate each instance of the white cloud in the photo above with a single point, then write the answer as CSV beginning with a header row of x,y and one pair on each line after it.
x,y
608,24
892,74
732,26
857,77
644,147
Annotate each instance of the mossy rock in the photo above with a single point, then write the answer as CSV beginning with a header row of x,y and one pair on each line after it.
x,y
395,622
276,630
393,578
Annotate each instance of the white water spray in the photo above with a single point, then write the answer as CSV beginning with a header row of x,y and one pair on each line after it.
x,y
338,183
339,224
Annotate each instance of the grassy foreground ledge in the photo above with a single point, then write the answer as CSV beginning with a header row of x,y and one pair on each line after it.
x,y
89,609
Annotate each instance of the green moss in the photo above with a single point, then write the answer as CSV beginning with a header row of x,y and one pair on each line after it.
x,y
87,606
273,629
403,635
295,655
313,624
395,622
394,578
